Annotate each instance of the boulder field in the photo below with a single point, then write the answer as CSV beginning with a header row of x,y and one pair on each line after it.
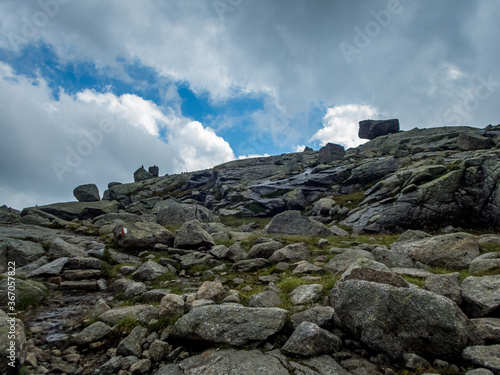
x,y
382,259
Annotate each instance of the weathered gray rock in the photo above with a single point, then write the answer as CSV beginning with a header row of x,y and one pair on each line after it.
x,y
120,285
115,364
307,268
113,316
323,206
488,329
141,235
132,344
212,290
481,295
480,266
59,248
323,316
291,253
27,292
93,333
264,250
230,324
292,222
330,152
9,215
484,356
191,235
250,265
18,251
141,174
142,366
370,270
149,271
471,141
445,285
305,294
267,298
158,350
415,362
252,362
87,193
233,253
455,250
154,295
83,263
371,129
194,258
135,290
308,339
479,371
53,268
172,305
78,210
99,308
393,258
341,262
179,213
397,320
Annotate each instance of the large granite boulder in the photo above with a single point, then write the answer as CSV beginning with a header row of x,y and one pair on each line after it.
x,y
293,223
229,324
87,193
179,213
141,235
142,174
370,270
330,152
481,295
18,251
191,235
149,271
398,320
291,253
471,141
9,215
371,129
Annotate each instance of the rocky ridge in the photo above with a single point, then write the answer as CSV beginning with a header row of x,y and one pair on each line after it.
x,y
382,260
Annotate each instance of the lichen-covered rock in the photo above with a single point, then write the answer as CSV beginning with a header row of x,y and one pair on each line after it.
x,y
267,298
264,250
250,265
191,235
291,253
132,344
91,334
212,290
229,324
149,271
397,320
292,222
172,305
445,285
485,356
305,294
481,295
341,262
310,340
323,316
370,270
488,329
179,213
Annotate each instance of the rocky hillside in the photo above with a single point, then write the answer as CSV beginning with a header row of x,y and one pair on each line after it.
x,y
383,259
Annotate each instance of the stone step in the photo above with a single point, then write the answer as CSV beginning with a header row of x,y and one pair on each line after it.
x,y
81,274
89,285
78,263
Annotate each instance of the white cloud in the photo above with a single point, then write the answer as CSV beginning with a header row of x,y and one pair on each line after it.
x,y
341,124
52,146
250,156
298,148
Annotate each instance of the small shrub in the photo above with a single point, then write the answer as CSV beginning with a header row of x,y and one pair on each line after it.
x,y
126,325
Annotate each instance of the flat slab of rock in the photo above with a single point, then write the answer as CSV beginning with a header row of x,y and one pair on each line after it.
x,y
232,362
481,295
229,324
484,356
90,285
293,223
53,268
416,272
78,210
113,316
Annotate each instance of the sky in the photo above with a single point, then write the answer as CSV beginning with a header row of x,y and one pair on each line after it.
x,y
91,90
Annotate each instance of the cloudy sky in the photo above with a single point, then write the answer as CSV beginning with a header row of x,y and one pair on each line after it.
x,y
91,90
